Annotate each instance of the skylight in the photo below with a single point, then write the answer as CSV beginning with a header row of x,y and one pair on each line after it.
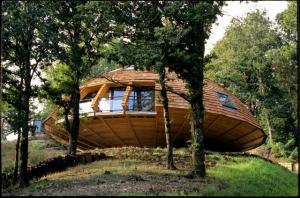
x,y
226,100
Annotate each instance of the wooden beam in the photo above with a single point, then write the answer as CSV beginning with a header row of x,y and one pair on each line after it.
x,y
156,125
227,131
181,128
64,136
83,92
251,141
102,91
133,130
212,123
52,115
62,141
125,97
111,129
86,141
89,140
92,131
241,137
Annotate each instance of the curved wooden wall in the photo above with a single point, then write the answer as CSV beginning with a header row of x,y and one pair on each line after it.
x,y
225,129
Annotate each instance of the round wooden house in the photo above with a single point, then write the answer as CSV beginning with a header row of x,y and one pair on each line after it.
x,y
123,108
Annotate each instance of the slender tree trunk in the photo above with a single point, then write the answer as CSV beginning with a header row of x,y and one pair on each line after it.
x,y
16,169
198,155
19,130
24,138
195,87
269,129
168,132
75,123
68,128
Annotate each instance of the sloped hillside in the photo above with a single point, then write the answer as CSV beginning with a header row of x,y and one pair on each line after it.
x,y
40,148
142,171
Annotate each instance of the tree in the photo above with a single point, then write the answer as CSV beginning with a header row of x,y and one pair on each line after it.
x,y
11,124
243,61
184,38
81,28
284,60
177,43
57,89
23,53
144,54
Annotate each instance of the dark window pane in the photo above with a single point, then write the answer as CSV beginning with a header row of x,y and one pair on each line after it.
x,y
141,99
226,100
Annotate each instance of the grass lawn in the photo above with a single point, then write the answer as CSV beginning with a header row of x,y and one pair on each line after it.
x,y
241,176
38,150
142,172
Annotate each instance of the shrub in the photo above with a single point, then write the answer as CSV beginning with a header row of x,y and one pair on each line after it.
x,y
278,150
294,154
289,145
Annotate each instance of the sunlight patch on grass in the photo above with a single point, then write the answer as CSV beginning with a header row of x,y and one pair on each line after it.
x,y
36,152
252,177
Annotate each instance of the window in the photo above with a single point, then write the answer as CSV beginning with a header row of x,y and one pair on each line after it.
x,y
226,100
116,97
141,99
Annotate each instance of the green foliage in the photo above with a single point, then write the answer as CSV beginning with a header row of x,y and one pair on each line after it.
x,y
289,145
294,155
257,63
24,53
251,177
79,34
101,67
278,150
288,21
239,61
169,34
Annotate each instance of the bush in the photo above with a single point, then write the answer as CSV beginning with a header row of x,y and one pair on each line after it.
x,y
278,150
294,154
289,145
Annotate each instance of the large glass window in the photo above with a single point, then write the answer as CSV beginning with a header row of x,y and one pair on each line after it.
x,y
141,99
116,97
226,100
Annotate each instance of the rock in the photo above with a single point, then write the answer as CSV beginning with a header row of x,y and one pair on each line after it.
x,y
107,172
88,158
100,182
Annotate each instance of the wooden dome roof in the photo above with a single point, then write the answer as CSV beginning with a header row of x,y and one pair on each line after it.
x,y
226,127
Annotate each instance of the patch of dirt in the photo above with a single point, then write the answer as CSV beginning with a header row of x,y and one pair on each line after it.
x,y
109,182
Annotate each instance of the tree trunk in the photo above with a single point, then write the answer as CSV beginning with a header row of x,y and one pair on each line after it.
x,y
16,169
168,132
195,88
269,129
75,124
24,138
198,138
